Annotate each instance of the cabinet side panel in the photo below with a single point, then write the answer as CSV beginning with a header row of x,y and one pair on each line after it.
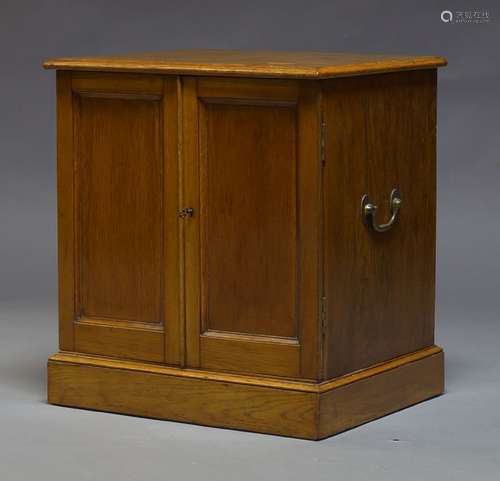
x,y
379,286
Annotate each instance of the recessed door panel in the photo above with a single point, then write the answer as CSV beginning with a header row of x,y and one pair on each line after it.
x,y
249,219
120,207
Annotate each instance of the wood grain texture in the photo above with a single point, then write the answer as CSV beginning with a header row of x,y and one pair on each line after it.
x,y
302,385
286,313
118,225
379,368
240,354
251,255
252,408
123,341
65,212
190,228
381,394
309,221
172,286
249,219
250,63
380,135
261,404
120,176
112,84
162,369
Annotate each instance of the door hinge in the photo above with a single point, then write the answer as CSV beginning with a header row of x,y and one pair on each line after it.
x,y
322,143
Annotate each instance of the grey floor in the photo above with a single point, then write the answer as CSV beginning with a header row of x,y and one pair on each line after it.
x,y
453,437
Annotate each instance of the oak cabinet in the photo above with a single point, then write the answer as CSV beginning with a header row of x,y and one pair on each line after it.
x,y
247,239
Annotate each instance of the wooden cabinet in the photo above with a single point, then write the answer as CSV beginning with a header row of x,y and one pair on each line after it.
x,y
216,264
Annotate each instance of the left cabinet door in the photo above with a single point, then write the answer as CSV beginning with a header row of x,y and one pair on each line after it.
x,y
117,215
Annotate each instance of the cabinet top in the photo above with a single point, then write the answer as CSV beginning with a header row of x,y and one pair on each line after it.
x,y
249,63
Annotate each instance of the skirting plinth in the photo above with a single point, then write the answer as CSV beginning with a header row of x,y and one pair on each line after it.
x,y
250,403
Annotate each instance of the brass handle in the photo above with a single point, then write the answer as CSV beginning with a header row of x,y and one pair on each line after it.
x,y
369,210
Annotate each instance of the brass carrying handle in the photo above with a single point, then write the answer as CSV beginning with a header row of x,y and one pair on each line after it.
x,y
369,210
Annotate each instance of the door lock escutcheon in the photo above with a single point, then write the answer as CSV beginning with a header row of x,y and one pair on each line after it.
x,y
186,212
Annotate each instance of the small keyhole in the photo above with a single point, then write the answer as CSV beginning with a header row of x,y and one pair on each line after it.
x,y
187,212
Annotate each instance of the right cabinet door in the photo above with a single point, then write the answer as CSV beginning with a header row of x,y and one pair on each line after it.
x,y
379,285
251,174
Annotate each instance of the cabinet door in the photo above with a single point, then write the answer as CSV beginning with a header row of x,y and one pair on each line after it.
x,y
252,175
118,224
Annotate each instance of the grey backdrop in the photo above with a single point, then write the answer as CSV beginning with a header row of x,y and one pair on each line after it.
x,y
454,437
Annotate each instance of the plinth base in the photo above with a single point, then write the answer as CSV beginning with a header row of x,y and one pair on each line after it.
x,y
251,403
